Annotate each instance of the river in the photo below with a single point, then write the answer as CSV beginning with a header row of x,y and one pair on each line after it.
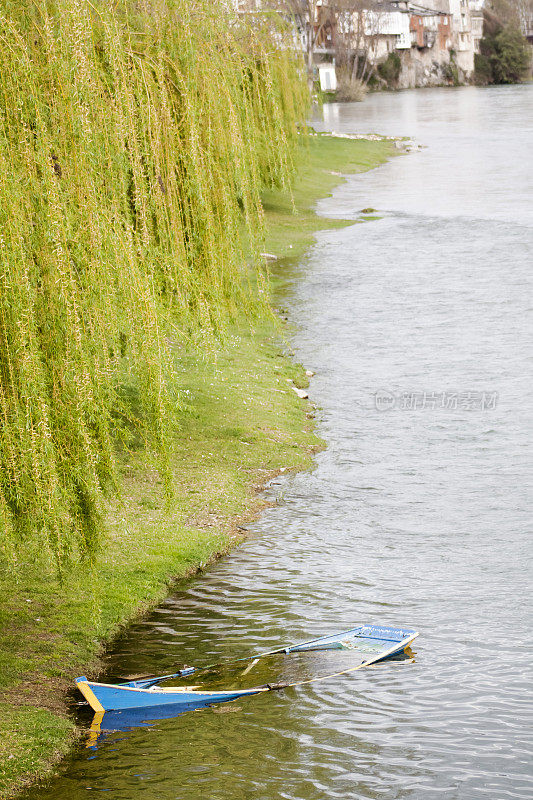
x,y
416,514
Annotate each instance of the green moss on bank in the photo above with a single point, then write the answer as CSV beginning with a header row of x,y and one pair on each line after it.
x,y
325,161
243,424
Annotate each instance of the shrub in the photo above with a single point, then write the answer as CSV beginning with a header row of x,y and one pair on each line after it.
x,y
450,71
511,56
390,69
482,69
505,54
350,90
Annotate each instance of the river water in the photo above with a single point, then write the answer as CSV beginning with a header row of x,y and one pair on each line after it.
x,y
415,515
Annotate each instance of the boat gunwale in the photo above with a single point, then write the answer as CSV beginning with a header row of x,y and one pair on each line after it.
x,y
170,689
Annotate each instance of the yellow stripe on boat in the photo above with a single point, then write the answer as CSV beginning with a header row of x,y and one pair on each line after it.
x,y
90,696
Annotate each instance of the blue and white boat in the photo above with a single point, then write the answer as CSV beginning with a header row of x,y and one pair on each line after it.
x,y
367,644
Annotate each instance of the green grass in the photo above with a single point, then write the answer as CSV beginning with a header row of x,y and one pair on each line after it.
x,y
32,740
243,423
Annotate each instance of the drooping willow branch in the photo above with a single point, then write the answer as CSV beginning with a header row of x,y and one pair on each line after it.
x,y
128,174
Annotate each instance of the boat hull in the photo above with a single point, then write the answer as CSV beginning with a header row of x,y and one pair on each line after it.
x,y
111,697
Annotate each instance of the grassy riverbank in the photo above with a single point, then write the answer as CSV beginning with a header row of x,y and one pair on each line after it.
x,y
242,425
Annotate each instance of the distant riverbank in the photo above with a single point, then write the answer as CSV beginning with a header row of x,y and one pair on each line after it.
x,y
245,424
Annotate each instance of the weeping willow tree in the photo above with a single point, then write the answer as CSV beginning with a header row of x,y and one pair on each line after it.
x,y
135,138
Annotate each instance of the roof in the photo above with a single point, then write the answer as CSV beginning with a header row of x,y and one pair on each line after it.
x,y
414,8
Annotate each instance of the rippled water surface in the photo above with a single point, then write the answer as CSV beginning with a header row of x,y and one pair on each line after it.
x,y
415,514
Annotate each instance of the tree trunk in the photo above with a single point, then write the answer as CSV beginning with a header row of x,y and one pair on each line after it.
x,y
355,66
363,70
310,44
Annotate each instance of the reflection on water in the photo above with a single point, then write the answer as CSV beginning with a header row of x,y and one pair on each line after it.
x,y
415,515
276,670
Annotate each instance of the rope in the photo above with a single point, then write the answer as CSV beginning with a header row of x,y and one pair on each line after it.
x,y
278,686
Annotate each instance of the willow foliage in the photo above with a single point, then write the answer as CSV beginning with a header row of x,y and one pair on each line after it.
x,y
135,138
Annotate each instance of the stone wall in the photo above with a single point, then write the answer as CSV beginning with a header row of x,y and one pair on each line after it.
x,y
429,67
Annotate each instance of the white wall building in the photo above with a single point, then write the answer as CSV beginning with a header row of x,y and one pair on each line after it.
x,y
389,23
476,15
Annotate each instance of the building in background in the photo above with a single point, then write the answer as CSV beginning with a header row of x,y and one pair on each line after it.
x,y
476,17
434,42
